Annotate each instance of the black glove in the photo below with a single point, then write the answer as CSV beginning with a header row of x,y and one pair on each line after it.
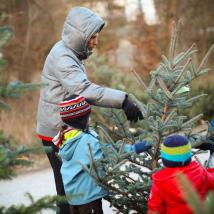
x,y
206,146
209,144
131,110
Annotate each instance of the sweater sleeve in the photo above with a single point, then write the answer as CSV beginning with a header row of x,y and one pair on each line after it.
x,y
210,179
155,201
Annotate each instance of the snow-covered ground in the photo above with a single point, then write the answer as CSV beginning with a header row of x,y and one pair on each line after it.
x,y
39,184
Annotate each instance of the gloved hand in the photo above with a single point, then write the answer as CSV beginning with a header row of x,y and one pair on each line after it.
x,y
131,110
209,144
142,146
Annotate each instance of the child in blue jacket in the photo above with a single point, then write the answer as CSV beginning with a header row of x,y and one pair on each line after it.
x,y
73,142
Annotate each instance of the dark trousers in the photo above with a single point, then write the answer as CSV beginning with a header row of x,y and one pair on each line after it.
x,y
63,208
94,207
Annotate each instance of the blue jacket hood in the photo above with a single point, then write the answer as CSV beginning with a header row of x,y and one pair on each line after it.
x,y
80,24
69,147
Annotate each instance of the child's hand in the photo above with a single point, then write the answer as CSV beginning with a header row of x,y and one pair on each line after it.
x,y
142,146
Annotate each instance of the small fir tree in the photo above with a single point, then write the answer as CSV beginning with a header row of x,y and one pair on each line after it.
x,y
128,176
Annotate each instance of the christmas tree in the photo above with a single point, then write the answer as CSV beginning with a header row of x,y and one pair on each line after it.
x,y
128,176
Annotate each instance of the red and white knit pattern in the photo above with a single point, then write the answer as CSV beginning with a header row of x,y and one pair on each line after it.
x,y
74,108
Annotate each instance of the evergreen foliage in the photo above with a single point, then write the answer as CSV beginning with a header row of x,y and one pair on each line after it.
x,y
12,89
205,104
103,73
11,155
5,35
46,202
128,176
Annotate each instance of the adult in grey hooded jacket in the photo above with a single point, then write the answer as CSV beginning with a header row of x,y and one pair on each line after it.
x,y
64,74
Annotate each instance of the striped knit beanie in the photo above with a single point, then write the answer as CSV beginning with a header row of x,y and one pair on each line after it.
x,y
176,151
74,111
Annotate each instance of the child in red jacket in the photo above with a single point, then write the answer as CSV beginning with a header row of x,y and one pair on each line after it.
x,y
166,196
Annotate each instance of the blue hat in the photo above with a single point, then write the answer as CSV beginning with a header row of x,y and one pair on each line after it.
x,y
176,151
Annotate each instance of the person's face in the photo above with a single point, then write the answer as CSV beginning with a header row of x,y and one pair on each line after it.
x,y
93,41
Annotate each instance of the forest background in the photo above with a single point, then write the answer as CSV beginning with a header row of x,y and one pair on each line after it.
x,y
130,41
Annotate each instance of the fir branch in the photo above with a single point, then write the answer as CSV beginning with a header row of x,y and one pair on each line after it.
x,y
182,72
13,89
173,42
92,163
139,79
155,98
128,177
166,62
140,164
192,121
109,140
117,190
121,149
175,90
6,33
156,152
122,126
166,69
170,116
10,157
192,69
193,99
204,59
164,88
116,167
203,71
151,85
46,202
187,54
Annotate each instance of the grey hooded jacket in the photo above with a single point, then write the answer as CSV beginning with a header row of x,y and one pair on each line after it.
x,y
64,74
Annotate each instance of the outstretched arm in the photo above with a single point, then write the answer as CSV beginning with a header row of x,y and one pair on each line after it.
x,y
209,143
75,81
140,146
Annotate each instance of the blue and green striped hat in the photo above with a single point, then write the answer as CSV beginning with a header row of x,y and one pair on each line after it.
x,y
176,151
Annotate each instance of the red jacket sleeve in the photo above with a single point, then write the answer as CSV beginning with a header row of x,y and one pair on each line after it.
x,y
210,179
155,201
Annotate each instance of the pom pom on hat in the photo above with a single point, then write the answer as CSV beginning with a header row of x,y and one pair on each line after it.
x,y
176,151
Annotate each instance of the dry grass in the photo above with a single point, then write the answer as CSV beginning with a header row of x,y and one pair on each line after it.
x,y
20,121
